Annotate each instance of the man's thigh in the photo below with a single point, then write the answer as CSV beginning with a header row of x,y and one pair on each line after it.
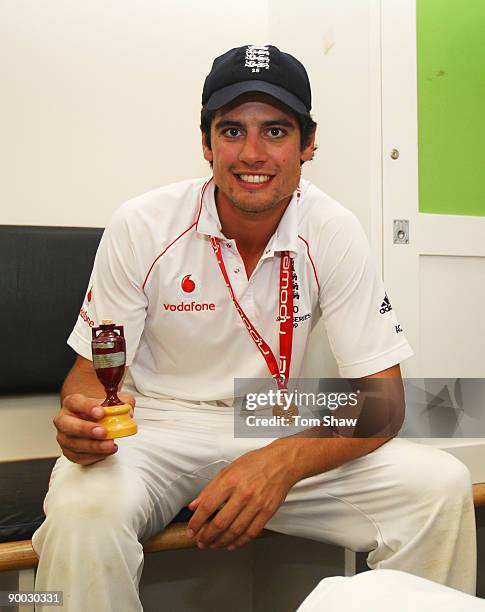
x,y
148,480
376,500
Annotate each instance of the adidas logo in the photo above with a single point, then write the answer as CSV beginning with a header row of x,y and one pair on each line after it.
x,y
385,306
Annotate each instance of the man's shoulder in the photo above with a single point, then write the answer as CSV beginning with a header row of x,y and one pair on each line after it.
x,y
149,222
182,197
160,214
319,210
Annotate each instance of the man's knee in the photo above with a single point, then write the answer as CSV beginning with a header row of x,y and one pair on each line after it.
x,y
89,498
433,474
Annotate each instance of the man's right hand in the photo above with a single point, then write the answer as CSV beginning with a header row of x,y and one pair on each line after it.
x,y
79,435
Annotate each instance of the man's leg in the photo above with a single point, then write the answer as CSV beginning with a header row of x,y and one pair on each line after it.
x,y
95,516
409,505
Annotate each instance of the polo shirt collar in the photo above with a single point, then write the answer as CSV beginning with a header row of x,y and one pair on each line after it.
x,y
284,239
286,236
208,222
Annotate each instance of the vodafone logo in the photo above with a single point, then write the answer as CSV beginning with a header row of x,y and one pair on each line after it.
x,y
85,317
189,307
187,284
285,284
90,295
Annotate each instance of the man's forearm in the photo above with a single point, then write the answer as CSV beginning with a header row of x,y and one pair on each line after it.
x,y
309,456
82,379
379,413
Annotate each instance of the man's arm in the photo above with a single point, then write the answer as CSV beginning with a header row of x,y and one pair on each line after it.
x,y
80,437
82,379
383,413
251,489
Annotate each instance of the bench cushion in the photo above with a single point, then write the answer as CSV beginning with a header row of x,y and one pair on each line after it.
x,y
23,486
44,273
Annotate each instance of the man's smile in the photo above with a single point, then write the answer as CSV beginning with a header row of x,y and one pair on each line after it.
x,y
254,178
253,181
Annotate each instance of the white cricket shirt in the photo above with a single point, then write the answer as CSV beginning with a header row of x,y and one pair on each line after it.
x,y
155,272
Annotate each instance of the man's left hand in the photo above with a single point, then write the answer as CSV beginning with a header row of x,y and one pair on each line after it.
x,y
237,503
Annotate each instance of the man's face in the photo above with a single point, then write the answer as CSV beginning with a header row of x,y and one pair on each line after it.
x,y
256,153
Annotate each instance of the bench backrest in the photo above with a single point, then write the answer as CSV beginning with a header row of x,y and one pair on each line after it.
x,y
44,273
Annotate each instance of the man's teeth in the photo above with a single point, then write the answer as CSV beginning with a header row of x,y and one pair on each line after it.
x,y
254,178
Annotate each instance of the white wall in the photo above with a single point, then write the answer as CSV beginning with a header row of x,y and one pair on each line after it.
x,y
101,100
337,41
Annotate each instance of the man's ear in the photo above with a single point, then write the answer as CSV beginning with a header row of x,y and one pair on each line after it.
x,y
208,156
309,150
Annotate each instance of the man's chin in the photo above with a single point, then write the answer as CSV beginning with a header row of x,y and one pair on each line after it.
x,y
253,208
255,202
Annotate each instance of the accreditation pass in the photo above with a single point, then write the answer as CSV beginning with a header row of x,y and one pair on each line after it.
x,y
22,598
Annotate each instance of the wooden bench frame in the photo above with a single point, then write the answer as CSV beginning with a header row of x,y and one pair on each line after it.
x,y
20,555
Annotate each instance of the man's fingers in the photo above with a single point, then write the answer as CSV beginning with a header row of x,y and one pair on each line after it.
x,y
251,532
79,433
237,528
239,543
247,525
205,510
85,406
86,446
127,398
79,428
221,523
194,504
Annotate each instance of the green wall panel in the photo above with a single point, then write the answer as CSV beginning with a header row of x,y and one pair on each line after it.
x,y
451,106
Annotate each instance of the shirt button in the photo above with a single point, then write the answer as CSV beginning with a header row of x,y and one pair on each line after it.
x,y
237,270
228,244
268,251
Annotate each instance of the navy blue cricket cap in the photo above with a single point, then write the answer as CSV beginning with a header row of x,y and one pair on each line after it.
x,y
262,69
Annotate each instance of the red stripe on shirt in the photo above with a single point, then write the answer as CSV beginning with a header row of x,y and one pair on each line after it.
x,y
204,187
164,251
310,257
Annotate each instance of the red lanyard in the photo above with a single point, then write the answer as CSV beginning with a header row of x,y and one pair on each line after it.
x,y
280,373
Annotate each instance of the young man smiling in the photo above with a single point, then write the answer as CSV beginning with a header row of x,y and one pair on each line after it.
x,y
229,241
256,153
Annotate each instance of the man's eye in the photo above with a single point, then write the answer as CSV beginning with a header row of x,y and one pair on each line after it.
x,y
276,132
232,132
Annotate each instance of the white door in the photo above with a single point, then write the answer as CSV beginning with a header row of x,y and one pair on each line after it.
x,y
437,279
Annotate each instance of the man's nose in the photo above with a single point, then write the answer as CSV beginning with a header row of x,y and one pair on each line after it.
x,y
253,150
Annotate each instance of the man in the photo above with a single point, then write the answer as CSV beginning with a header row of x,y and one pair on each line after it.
x,y
193,271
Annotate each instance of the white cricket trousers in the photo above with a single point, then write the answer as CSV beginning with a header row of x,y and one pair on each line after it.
x,y
409,505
